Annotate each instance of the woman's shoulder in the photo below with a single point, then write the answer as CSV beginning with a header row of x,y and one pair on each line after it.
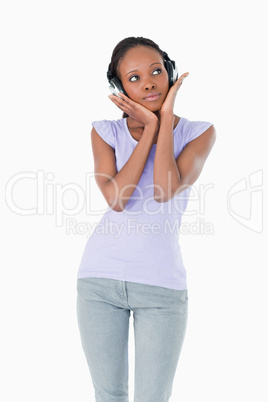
x,y
108,129
109,123
191,129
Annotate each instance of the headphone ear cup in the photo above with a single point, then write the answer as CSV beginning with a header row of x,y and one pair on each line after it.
x,y
168,66
116,83
172,72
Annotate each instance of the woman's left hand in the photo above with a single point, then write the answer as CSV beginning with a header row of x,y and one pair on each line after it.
x,y
169,102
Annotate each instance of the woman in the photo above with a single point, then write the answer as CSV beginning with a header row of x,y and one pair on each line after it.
x,y
145,164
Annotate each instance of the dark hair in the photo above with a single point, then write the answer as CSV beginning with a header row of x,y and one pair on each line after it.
x,y
121,49
124,45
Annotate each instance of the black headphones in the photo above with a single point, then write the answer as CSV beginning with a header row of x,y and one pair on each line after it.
x,y
116,85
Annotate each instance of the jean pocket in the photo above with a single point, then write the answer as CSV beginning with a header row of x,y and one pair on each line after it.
x,y
184,296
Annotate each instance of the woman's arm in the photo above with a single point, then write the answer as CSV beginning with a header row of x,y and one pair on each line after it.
x,y
171,176
118,187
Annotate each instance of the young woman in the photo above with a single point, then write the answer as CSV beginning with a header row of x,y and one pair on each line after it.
x,y
145,164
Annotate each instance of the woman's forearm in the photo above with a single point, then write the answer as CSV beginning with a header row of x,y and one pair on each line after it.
x,y
121,187
166,172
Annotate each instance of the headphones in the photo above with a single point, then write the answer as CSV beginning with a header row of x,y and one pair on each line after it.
x,y
116,85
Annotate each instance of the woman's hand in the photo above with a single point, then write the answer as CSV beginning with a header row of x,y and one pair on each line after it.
x,y
169,102
134,109
141,113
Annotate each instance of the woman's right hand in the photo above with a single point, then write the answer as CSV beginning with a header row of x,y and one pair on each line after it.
x,y
134,110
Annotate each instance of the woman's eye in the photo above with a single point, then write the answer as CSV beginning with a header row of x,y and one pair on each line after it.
x,y
157,71
134,78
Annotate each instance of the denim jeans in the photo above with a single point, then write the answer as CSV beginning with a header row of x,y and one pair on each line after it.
x,y
159,318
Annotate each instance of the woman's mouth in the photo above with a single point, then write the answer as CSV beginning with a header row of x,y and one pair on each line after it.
x,y
152,96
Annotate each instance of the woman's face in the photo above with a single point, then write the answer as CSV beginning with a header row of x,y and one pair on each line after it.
x,y
144,77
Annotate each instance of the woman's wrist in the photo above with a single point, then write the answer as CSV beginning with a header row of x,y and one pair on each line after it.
x,y
167,117
151,127
167,114
152,121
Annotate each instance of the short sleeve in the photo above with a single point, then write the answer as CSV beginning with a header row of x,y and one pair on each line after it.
x,y
194,129
105,130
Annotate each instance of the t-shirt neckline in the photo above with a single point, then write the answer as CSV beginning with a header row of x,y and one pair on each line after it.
x,y
133,139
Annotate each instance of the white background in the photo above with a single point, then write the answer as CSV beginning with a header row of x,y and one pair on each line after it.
x,y
53,85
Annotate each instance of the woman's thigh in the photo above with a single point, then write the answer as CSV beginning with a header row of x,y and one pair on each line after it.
x,y
104,328
160,321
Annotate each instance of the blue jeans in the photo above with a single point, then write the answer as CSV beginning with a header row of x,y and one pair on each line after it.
x,y
159,319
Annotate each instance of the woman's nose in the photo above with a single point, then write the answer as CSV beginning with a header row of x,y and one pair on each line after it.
x,y
150,86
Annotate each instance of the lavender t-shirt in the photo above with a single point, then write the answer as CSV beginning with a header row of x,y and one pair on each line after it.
x,y
141,243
